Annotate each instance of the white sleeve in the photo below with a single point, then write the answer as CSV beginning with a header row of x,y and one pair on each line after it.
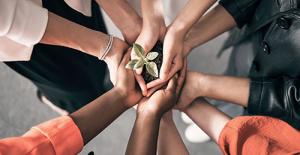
x,y
22,25
22,21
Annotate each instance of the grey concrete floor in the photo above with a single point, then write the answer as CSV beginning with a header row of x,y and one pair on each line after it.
x,y
20,109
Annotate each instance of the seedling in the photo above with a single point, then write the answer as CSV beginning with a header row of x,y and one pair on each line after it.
x,y
143,59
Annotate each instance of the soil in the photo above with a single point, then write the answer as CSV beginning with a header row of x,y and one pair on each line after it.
x,y
157,48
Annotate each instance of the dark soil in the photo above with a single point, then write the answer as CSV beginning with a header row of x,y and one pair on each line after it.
x,y
157,48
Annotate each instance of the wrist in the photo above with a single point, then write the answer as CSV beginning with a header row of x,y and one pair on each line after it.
x,y
129,98
178,28
121,95
94,44
117,46
202,84
154,114
167,119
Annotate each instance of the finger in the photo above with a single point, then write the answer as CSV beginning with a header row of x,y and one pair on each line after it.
x,y
162,34
174,70
172,85
182,76
154,89
155,83
166,65
147,39
141,83
125,59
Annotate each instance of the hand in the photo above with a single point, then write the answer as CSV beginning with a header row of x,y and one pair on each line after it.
x,y
154,29
164,99
114,57
161,101
191,90
126,84
173,59
160,85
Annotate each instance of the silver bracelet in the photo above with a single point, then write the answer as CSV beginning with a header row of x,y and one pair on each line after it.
x,y
108,48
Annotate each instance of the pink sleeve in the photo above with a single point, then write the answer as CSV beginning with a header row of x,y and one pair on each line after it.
x,y
59,136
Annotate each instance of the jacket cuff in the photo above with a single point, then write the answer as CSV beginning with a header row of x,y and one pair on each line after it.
x,y
254,102
241,11
29,25
63,134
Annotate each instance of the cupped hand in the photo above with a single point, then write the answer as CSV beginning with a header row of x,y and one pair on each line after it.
x,y
126,83
153,30
173,59
164,99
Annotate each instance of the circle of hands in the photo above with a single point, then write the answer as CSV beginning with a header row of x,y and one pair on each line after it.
x,y
165,91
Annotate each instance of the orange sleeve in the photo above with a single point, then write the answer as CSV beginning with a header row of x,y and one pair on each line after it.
x,y
250,135
59,136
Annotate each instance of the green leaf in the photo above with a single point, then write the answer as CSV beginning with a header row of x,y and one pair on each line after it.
x,y
139,64
152,55
139,51
131,64
152,69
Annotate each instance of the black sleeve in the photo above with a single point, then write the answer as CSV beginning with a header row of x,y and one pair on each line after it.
x,y
278,98
241,10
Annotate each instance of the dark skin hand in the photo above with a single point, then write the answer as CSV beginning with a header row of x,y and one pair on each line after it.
x,y
93,118
144,136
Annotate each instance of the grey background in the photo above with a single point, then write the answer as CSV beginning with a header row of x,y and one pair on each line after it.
x,y
20,109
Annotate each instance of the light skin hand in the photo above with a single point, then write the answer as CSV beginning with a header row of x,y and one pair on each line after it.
x,y
159,83
172,61
153,30
175,36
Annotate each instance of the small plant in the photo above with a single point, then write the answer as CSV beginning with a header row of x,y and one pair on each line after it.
x,y
143,59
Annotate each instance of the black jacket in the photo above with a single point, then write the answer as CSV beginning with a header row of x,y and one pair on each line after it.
x,y
274,26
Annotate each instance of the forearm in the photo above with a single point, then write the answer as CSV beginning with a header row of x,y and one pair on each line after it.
x,y
214,23
151,10
208,118
63,32
169,139
187,18
225,88
143,139
123,16
96,116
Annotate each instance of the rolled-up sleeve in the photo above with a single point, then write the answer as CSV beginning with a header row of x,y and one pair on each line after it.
x,y
22,25
22,21
241,10
58,136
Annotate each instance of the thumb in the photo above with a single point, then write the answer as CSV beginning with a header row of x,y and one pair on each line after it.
x,y
172,85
